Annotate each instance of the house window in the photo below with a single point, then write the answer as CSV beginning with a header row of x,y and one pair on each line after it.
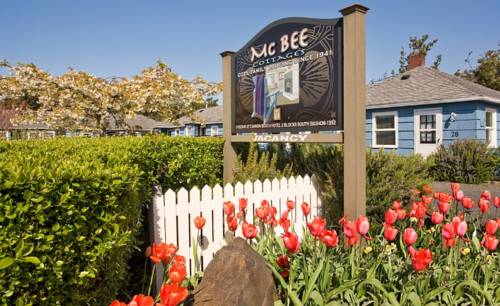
x,y
490,126
428,128
385,130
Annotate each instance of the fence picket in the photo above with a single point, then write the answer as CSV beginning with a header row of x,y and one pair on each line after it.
x,y
207,238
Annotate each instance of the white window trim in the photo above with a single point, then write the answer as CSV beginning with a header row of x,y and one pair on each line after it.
x,y
374,129
494,127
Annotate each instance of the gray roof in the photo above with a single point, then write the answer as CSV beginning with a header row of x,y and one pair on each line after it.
x,y
424,85
140,122
203,116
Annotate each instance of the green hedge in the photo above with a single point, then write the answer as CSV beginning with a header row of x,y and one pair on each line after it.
x,y
70,210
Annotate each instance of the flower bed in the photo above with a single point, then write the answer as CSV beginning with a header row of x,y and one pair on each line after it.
x,y
421,254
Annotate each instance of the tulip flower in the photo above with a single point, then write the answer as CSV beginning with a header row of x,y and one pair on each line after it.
x,y
199,222
282,261
228,208
362,225
409,236
411,250
490,242
117,303
291,242
421,259
444,197
467,203
437,217
459,195
396,205
349,229
172,294
317,226
418,210
448,231
330,238
486,195
162,252
306,209
350,241
444,207
141,300
284,223
390,232
177,272
401,214
484,205
496,202
243,203
284,273
455,187
426,200
460,228
232,223
491,227
262,212
249,230
179,260
391,216
290,204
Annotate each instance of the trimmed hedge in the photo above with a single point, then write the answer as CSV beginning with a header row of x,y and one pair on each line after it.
x,y
70,210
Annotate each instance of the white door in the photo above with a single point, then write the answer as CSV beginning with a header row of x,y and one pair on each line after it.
x,y
428,130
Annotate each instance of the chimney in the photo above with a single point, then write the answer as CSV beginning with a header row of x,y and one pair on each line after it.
x,y
416,60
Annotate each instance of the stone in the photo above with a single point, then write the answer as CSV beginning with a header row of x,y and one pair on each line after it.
x,y
237,275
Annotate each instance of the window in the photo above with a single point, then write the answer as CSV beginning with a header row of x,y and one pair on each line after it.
x,y
385,130
428,128
490,126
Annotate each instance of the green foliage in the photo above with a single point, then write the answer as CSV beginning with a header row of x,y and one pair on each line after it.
x,y
487,70
253,165
418,45
70,210
463,161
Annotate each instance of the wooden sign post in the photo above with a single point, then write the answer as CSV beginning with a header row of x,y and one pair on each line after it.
x,y
353,94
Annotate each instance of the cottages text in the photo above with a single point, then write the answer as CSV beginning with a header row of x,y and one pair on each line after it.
x,y
288,42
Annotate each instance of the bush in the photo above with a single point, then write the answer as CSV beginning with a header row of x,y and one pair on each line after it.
x,y
464,161
70,210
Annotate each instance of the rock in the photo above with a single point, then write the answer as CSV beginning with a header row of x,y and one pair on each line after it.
x,y
237,275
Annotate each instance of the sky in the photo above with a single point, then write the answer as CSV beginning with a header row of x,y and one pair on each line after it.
x,y
120,38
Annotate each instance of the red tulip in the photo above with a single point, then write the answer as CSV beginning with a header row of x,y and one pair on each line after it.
x,y
490,242
491,227
444,207
283,261
409,236
117,303
179,260
141,300
249,230
362,225
459,195
285,224
412,250
290,204
390,232
243,203
262,212
421,259
177,272
350,230
486,195
484,205
291,242
232,223
444,197
455,187
148,251
401,213
496,202
426,200
418,210
172,294
391,216
162,252
330,238
284,273
449,242
460,228
437,217
317,226
448,231
199,222
306,209
467,203
396,205
274,211
228,208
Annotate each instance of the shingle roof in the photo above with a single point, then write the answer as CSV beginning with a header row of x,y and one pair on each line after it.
x,y
140,122
203,116
424,85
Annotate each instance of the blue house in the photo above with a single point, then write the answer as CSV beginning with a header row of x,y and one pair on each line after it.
x,y
416,111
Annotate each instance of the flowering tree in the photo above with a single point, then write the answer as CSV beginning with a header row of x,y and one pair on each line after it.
x,y
79,100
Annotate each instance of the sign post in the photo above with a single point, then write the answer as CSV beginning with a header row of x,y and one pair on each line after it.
x,y
301,75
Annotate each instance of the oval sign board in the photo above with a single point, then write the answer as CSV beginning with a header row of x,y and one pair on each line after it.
x,y
288,78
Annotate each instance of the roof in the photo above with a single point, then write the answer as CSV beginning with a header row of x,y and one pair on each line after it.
x,y
140,122
425,85
203,116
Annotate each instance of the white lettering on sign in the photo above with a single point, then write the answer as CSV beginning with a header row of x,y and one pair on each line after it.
x,y
294,41
280,138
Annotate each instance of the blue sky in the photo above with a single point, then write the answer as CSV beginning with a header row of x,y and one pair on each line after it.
x,y
119,38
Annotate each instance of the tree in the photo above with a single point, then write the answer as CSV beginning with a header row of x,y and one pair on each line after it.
x,y
486,71
418,46
79,100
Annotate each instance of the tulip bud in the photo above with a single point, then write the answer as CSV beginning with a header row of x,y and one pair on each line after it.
x,y
283,261
490,243
467,203
390,232
437,217
306,210
409,236
496,202
486,195
484,205
290,204
491,227
291,242
391,216
444,207
362,225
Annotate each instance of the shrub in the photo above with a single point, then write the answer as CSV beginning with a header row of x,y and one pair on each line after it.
x,y
463,161
70,210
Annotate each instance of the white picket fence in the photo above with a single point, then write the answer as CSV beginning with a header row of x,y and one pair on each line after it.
x,y
173,213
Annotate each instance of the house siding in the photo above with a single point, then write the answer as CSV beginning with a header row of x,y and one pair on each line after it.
x,y
469,124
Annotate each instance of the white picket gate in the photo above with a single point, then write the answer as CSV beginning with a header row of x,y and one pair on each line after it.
x,y
173,213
